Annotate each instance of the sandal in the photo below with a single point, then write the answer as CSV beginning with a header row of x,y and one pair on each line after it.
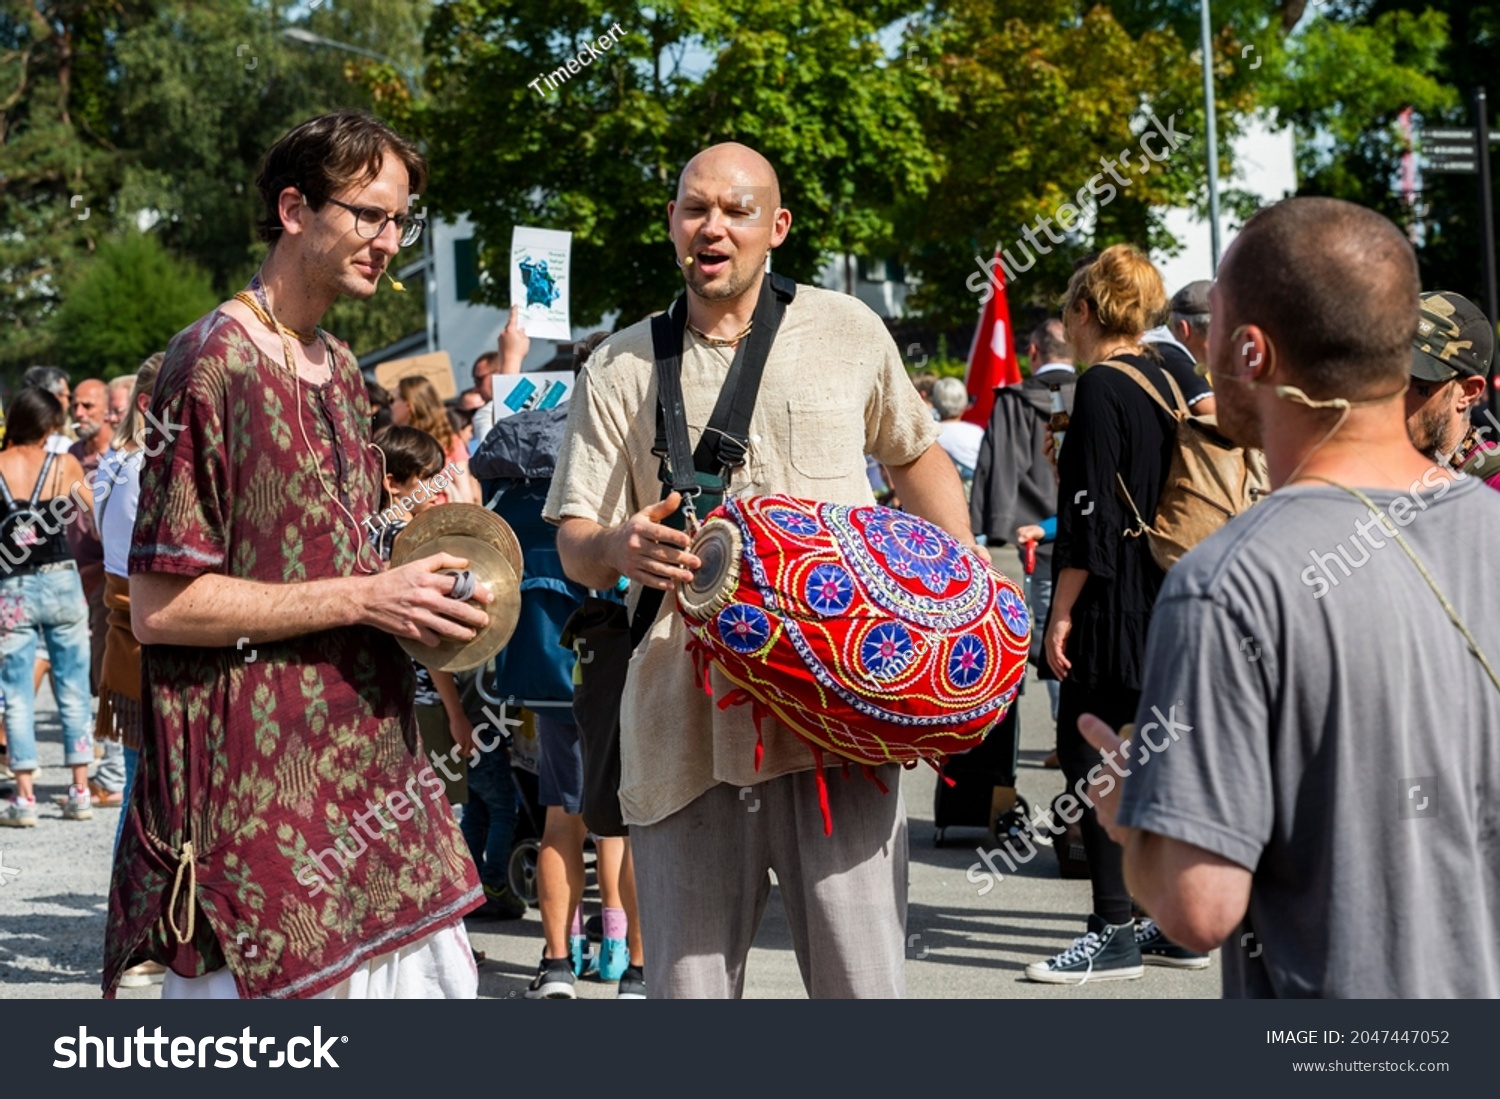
x,y
99,798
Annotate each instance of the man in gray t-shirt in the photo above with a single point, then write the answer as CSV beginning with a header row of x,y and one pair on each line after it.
x,y
1315,777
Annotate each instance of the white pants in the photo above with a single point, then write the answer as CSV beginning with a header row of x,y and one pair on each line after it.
x,y
439,967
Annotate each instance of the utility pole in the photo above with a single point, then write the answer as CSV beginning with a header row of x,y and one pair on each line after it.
x,y
1213,132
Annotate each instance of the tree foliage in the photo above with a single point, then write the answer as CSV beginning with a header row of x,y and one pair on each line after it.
x,y
805,82
1025,103
156,114
925,132
124,304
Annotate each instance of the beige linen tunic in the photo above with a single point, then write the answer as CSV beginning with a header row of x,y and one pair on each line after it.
x,y
834,390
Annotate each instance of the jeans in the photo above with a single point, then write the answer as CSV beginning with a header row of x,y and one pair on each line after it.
x,y
110,776
45,607
132,759
1039,601
489,822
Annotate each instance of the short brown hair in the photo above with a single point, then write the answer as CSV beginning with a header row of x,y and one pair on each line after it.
x,y
409,452
1123,288
326,155
1336,288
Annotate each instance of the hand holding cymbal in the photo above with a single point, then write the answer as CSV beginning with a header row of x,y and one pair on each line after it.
x,y
493,556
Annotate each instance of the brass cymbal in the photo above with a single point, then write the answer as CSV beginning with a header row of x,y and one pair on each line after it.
x,y
485,540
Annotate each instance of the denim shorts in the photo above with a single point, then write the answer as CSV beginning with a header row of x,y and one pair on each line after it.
x,y
560,774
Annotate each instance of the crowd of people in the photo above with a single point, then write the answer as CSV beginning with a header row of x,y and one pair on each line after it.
x,y
249,485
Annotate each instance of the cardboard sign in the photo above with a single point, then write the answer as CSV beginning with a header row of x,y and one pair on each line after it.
x,y
437,368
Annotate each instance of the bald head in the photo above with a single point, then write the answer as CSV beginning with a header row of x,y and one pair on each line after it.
x,y
1334,286
90,407
724,222
737,166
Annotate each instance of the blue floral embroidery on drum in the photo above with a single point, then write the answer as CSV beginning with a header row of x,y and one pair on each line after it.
x,y
829,590
967,661
887,651
1013,610
744,628
916,551
798,523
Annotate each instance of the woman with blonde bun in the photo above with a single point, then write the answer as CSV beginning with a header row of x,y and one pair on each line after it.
x,y
1105,581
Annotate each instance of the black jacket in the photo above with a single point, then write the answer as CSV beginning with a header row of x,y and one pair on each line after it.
x,y
1013,481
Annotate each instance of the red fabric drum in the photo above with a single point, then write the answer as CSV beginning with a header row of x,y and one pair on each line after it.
x,y
869,632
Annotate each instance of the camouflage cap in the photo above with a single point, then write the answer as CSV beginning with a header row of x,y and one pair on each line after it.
x,y
1453,337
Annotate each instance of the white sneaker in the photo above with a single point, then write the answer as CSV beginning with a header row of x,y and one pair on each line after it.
x,y
19,814
79,805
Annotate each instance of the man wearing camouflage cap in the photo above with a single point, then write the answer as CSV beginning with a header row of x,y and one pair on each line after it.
x,y
1454,347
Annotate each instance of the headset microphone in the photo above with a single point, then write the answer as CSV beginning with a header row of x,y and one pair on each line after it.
x,y
1292,393
396,284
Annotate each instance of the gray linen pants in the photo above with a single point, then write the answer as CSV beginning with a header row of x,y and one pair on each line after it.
x,y
701,875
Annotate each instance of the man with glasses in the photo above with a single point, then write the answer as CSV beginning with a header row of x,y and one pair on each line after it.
x,y
1450,369
282,840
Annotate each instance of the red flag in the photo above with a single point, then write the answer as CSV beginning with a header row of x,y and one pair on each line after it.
x,y
992,358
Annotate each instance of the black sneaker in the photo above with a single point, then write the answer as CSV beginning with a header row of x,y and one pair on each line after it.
x,y
500,904
1157,949
1013,833
554,981
632,984
1106,953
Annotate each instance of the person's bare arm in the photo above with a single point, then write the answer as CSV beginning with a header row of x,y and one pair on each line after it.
x,y
1070,582
514,343
930,487
642,549
460,728
1197,896
216,611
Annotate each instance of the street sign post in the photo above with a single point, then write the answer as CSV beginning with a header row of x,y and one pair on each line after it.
x,y
1486,201
1465,150
1450,151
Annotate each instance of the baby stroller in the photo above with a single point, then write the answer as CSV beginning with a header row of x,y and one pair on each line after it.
x,y
525,755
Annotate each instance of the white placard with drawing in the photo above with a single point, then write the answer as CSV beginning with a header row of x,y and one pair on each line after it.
x,y
539,280
527,392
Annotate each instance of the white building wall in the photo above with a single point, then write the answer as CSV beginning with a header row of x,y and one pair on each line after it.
x,y
1265,165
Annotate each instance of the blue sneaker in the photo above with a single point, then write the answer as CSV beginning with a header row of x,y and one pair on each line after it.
x,y
614,959
585,962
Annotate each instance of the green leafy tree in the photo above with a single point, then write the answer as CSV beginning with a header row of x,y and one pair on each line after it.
x,y
1026,103
804,82
58,165
156,113
1376,58
126,303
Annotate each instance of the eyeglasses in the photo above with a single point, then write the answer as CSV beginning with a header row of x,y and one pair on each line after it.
x,y
370,222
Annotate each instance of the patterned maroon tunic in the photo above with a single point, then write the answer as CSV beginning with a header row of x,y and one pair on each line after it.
x,y
281,823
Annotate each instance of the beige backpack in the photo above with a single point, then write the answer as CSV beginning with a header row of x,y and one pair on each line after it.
x,y
1210,482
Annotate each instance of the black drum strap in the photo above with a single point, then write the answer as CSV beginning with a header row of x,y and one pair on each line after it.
x,y
725,442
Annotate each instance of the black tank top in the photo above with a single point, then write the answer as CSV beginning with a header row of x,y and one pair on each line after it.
x,y
31,535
